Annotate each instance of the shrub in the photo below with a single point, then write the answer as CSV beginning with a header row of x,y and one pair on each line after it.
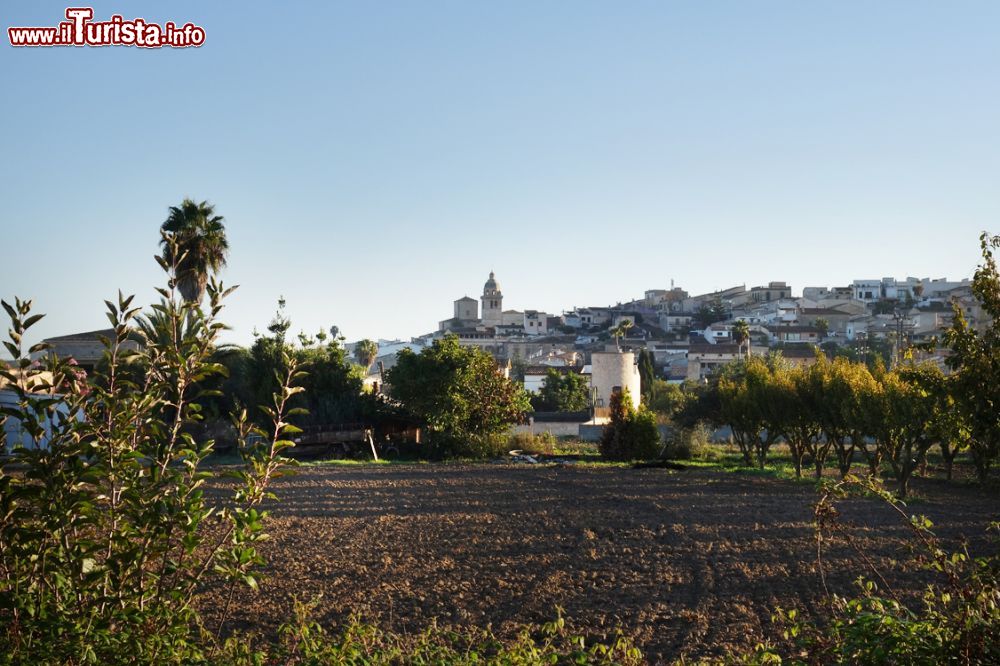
x,y
303,641
958,621
104,539
689,444
630,434
542,442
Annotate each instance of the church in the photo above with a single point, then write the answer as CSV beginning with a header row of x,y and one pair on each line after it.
x,y
494,320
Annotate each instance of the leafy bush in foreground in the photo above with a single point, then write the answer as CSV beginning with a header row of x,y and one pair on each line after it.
x,y
106,536
305,642
958,621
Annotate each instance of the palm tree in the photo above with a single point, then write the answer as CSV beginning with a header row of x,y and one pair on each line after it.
x,y
365,352
824,327
741,335
620,331
194,242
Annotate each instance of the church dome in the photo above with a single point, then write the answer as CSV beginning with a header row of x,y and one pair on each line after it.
x,y
491,286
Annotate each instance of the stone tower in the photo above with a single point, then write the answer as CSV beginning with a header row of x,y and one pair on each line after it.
x,y
492,302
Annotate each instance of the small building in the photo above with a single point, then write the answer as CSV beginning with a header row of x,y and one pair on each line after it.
x,y
612,372
675,321
774,291
703,359
87,349
809,334
535,322
867,291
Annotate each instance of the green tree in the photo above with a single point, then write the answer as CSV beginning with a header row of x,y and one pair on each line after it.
x,y
709,313
811,388
630,434
458,392
949,426
843,396
667,399
333,385
793,413
193,238
563,392
902,427
265,362
365,352
824,327
975,360
647,375
748,407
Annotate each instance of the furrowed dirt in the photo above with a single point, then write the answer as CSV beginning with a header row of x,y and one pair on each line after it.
x,y
686,562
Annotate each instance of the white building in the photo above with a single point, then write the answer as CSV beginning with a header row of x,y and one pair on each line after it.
x,y
535,322
867,291
612,372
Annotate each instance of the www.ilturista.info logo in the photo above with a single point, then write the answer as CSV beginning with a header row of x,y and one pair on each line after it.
x,y
80,30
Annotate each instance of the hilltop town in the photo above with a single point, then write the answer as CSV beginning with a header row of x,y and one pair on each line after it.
x,y
687,337
690,335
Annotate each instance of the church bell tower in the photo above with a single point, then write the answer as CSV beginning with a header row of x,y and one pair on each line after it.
x,y
492,302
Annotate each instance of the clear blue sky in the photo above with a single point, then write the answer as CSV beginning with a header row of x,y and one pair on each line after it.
x,y
375,160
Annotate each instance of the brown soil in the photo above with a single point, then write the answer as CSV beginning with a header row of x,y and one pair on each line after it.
x,y
686,562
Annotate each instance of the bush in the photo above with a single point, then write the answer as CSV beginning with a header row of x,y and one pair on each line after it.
x,y
443,446
630,434
304,641
105,544
542,442
957,622
689,444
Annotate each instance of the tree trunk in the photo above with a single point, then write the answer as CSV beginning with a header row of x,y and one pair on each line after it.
x,y
982,467
904,480
845,457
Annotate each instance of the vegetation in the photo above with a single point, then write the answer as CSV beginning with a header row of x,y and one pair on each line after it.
x,y
365,352
332,384
304,641
956,622
630,434
710,313
620,331
823,325
666,399
458,392
106,536
891,418
562,392
194,242
975,359
741,335
647,374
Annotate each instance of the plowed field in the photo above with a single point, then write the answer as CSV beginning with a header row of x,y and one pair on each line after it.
x,y
688,562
